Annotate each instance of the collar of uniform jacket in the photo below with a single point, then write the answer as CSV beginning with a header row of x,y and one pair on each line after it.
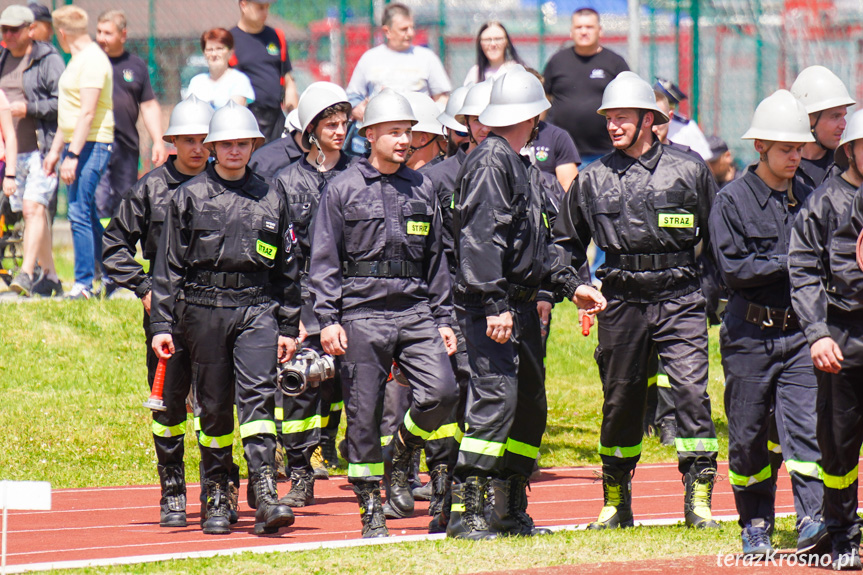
x,y
173,177
620,162
371,173
760,190
246,184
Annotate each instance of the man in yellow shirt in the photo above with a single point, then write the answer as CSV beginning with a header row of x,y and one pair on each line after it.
x,y
85,133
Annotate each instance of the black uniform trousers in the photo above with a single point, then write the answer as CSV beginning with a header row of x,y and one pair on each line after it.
x,y
234,354
840,433
303,418
506,409
169,426
769,369
442,445
412,339
627,335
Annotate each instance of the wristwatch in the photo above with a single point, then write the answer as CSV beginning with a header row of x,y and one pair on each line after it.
x,y
72,155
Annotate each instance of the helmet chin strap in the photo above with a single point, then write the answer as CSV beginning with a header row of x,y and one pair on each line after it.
x,y
641,114
427,144
814,135
534,133
320,159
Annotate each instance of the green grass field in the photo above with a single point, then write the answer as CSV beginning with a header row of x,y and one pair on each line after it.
x,y
73,379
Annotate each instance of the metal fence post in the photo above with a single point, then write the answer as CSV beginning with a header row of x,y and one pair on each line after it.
x,y
695,14
541,31
441,27
151,48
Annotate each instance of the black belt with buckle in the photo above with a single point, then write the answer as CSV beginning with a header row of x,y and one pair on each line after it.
x,y
383,269
650,262
521,294
228,280
783,318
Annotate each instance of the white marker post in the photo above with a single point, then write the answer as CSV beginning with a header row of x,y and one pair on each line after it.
x,y
22,495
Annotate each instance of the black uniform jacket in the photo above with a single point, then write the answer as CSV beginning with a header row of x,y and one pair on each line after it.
x,y
301,185
813,290
366,216
814,173
750,229
501,233
653,208
139,217
847,276
443,179
236,227
269,159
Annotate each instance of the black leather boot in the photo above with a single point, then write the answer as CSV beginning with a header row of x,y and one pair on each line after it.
x,y
173,502
270,515
369,498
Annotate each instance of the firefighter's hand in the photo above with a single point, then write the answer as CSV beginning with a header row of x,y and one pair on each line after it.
x,y
334,340
146,302
163,345
543,308
449,340
499,327
287,348
303,333
826,355
589,299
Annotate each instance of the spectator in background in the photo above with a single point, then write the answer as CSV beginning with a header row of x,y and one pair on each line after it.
x,y
271,158
132,94
553,150
721,162
85,133
261,53
221,84
29,74
397,64
8,151
495,54
682,130
42,29
575,79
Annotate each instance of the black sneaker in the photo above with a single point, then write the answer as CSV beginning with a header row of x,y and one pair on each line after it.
x,y
47,287
22,284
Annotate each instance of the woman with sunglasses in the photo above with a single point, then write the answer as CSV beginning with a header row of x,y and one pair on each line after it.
x,y
495,54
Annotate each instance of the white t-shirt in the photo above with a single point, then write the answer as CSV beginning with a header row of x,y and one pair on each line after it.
x,y
220,92
472,76
417,69
689,134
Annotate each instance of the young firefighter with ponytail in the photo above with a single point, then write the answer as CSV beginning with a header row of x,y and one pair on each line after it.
x,y
765,354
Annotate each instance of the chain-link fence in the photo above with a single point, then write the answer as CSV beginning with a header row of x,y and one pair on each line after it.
x,y
740,51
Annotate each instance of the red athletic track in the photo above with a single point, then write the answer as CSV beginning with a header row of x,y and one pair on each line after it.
x,y
120,524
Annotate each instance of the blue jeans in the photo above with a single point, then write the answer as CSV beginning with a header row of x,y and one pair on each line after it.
x,y
598,255
86,228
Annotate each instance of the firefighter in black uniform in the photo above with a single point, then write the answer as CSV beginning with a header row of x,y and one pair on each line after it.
x,y
646,205
271,158
442,447
765,355
826,100
381,294
830,314
324,112
139,218
425,152
503,255
227,252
